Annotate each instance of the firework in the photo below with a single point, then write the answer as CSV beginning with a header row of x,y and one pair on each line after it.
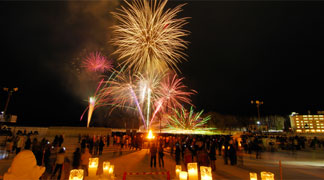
x,y
92,102
183,120
173,93
95,62
148,38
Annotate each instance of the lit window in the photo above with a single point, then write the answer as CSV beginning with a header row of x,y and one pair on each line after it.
x,y
301,130
315,115
317,121
298,126
310,118
310,115
321,118
304,115
321,115
305,118
313,130
316,118
307,130
297,118
297,121
318,130
323,130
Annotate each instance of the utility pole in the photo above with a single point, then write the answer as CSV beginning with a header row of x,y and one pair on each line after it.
x,y
10,91
258,103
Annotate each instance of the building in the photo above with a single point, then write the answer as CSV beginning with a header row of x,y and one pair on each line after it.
x,y
307,123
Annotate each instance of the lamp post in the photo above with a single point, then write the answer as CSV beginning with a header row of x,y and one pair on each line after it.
x,y
10,91
258,103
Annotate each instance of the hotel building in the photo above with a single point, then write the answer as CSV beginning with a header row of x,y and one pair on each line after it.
x,y
307,123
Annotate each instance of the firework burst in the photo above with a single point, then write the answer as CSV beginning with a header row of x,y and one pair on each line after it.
x,y
184,120
174,92
148,38
95,62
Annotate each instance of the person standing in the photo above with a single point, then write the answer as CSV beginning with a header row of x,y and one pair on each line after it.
x,y
85,161
153,152
212,155
108,140
28,143
61,140
161,155
232,153
59,164
76,158
101,146
20,144
177,153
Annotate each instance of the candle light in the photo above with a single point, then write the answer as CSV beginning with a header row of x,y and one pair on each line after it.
x,y
253,176
93,166
178,170
76,174
205,173
105,168
183,175
192,171
111,169
267,175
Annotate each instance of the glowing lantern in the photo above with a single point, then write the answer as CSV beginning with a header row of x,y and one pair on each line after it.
x,y
267,175
183,175
111,169
193,171
253,176
76,174
205,173
178,170
105,168
93,166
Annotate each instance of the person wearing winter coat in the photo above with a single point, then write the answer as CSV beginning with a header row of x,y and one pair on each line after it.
x,y
24,166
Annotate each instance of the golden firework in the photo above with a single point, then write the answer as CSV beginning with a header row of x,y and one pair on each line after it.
x,y
148,38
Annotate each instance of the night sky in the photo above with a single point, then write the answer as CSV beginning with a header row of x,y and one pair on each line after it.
x,y
238,52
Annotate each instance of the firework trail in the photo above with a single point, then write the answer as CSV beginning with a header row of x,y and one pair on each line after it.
x,y
92,102
147,38
137,104
95,62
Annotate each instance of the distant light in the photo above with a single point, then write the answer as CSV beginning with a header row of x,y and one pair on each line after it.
x,y
2,112
258,122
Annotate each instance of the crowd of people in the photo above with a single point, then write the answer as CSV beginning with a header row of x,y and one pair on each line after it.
x,y
183,149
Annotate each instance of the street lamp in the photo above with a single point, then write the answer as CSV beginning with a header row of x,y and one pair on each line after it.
x,y
258,103
10,91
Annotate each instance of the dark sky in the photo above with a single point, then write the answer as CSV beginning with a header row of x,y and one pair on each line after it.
x,y
238,51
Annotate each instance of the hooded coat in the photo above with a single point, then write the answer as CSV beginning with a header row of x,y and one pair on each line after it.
x,y
24,167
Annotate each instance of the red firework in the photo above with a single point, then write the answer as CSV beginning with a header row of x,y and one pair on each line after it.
x,y
95,62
